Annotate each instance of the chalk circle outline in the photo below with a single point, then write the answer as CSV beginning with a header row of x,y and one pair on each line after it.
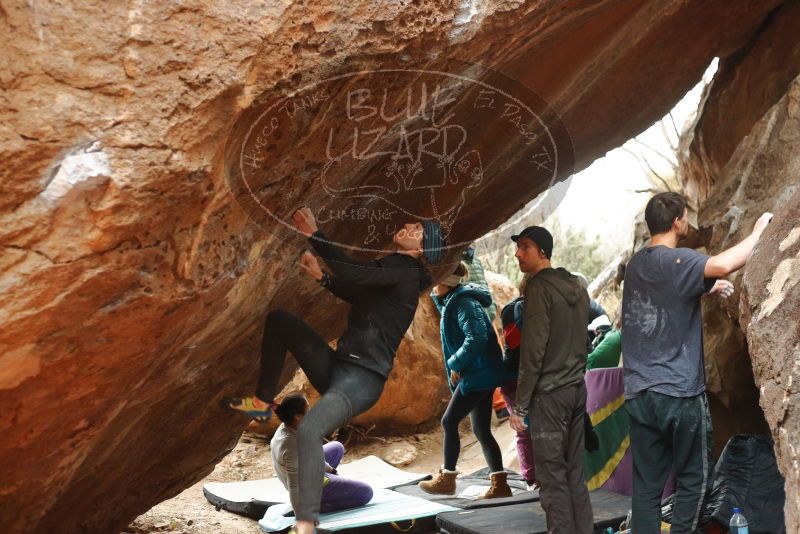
x,y
310,86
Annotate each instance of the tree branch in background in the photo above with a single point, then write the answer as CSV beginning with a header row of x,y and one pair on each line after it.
x,y
643,160
670,160
674,127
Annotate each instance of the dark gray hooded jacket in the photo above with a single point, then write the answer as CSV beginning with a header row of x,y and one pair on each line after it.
x,y
553,346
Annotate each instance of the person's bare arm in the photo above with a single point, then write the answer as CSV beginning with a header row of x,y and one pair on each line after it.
x,y
734,258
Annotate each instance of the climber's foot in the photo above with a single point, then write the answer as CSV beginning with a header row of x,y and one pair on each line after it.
x,y
303,527
253,406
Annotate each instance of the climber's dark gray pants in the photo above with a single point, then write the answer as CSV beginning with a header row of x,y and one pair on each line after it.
x,y
669,430
353,389
347,390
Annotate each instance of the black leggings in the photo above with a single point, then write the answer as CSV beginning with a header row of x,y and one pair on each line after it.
x,y
478,404
284,331
346,390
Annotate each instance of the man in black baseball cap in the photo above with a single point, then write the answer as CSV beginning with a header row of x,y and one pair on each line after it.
x,y
539,237
550,387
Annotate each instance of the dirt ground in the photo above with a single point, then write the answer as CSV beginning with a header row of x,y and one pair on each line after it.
x,y
190,512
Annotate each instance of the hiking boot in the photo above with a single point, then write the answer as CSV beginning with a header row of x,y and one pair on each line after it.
x,y
499,487
248,406
442,483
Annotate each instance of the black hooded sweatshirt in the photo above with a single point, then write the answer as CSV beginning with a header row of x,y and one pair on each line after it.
x,y
384,294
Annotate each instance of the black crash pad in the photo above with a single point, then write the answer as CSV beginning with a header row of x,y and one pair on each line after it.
x,y
478,478
610,509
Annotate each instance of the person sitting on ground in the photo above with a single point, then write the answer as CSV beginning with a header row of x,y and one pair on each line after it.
x,y
511,317
384,294
338,493
473,367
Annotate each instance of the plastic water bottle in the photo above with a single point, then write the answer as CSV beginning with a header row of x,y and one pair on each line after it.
x,y
738,522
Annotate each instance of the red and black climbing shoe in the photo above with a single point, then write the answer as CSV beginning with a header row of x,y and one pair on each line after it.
x,y
255,408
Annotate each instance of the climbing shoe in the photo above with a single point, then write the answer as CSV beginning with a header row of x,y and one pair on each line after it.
x,y
248,406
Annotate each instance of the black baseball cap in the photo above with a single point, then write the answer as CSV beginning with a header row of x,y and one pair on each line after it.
x,y
538,235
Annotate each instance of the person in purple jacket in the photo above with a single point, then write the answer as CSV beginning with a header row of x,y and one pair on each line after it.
x,y
338,493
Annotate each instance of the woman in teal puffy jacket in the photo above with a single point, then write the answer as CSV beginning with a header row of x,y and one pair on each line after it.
x,y
474,368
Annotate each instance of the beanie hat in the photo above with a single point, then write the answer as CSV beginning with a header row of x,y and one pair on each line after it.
x,y
540,236
432,241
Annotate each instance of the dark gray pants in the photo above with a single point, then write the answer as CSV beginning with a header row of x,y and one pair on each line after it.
x,y
665,431
346,390
557,432
353,390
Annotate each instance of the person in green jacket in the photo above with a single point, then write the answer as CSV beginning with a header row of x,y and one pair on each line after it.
x,y
474,368
607,352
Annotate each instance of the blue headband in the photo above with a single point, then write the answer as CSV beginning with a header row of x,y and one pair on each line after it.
x,y
432,241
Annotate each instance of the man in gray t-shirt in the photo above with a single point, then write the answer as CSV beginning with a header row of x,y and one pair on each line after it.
x,y
663,324
662,347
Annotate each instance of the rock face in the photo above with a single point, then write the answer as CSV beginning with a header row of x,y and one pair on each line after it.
x,y
770,308
140,211
503,292
743,160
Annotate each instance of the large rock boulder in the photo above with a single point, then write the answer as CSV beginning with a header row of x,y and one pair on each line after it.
x,y
137,265
503,291
743,160
770,311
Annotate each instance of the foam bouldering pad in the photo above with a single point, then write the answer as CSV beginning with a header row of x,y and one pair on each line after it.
x,y
386,508
251,498
610,509
469,487
388,511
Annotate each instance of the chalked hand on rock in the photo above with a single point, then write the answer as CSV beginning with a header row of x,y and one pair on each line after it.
x,y
762,222
304,221
723,288
310,265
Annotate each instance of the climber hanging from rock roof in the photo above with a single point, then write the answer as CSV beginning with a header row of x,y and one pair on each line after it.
x,y
384,294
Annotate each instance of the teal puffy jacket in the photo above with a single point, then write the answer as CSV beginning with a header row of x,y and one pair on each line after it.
x,y
469,343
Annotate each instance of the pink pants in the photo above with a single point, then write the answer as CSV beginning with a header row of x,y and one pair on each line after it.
x,y
524,443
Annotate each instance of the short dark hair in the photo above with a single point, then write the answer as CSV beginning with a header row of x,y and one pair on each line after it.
x,y
662,210
461,269
292,405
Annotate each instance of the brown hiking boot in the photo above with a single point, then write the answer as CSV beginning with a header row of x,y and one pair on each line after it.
x,y
499,488
443,483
